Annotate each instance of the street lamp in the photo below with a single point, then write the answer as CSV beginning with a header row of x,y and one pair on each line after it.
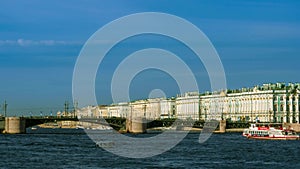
x,y
205,115
144,107
5,108
222,118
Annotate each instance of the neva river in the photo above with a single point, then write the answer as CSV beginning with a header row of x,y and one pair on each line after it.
x,y
71,148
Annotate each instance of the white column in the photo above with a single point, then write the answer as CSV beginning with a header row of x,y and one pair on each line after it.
x,y
297,108
297,103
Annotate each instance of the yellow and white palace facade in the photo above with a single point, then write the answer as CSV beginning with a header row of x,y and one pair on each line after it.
x,y
264,106
268,103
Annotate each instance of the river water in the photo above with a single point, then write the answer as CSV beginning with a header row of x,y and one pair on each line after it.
x,y
71,148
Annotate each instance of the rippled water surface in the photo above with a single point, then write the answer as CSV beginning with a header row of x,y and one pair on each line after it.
x,y
71,148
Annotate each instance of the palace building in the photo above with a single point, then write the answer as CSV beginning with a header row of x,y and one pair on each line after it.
x,y
187,106
267,103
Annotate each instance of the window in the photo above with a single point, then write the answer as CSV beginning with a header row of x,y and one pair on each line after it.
x,y
294,108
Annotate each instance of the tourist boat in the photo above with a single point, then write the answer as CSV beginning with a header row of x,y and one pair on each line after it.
x,y
270,133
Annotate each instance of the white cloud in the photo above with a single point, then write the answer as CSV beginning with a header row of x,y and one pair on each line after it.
x,y
23,42
7,42
27,42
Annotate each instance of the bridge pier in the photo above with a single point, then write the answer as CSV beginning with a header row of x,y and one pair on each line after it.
x,y
15,125
136,125
222,126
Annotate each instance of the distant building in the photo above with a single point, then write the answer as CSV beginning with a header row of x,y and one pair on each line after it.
x,y
118,110
65,114
187,106
211,106
138,109
167,108
58,114
89,111
267,103
150,109
124,109
113,110
103,112
153,109
244,106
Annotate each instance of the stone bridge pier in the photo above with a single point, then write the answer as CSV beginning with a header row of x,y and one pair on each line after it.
x,y
136,125
15,125
222,126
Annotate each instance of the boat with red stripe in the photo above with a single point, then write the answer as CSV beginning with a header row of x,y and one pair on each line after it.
x,y
270,133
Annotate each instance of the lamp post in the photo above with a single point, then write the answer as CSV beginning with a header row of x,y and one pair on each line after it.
x,y
251,108
222,118
66,108
5,108
144,108
205,115
199,112
270,115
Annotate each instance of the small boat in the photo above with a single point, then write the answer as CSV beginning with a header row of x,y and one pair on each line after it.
x,y
33,128
269,133
79,127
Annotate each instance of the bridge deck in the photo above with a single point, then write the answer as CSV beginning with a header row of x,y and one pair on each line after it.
x,y
118,123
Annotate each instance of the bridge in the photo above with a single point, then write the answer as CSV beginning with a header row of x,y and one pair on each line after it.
x,y
14,125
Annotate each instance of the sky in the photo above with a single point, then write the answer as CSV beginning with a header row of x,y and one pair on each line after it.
x,y
258,41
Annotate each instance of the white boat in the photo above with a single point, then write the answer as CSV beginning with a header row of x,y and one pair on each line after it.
x,y
33,128
79,127
270,133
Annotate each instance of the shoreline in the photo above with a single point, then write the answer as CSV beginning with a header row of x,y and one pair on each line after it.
x,y
195,130
160,129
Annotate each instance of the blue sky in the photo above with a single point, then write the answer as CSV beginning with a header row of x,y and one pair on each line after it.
x,y
257,41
